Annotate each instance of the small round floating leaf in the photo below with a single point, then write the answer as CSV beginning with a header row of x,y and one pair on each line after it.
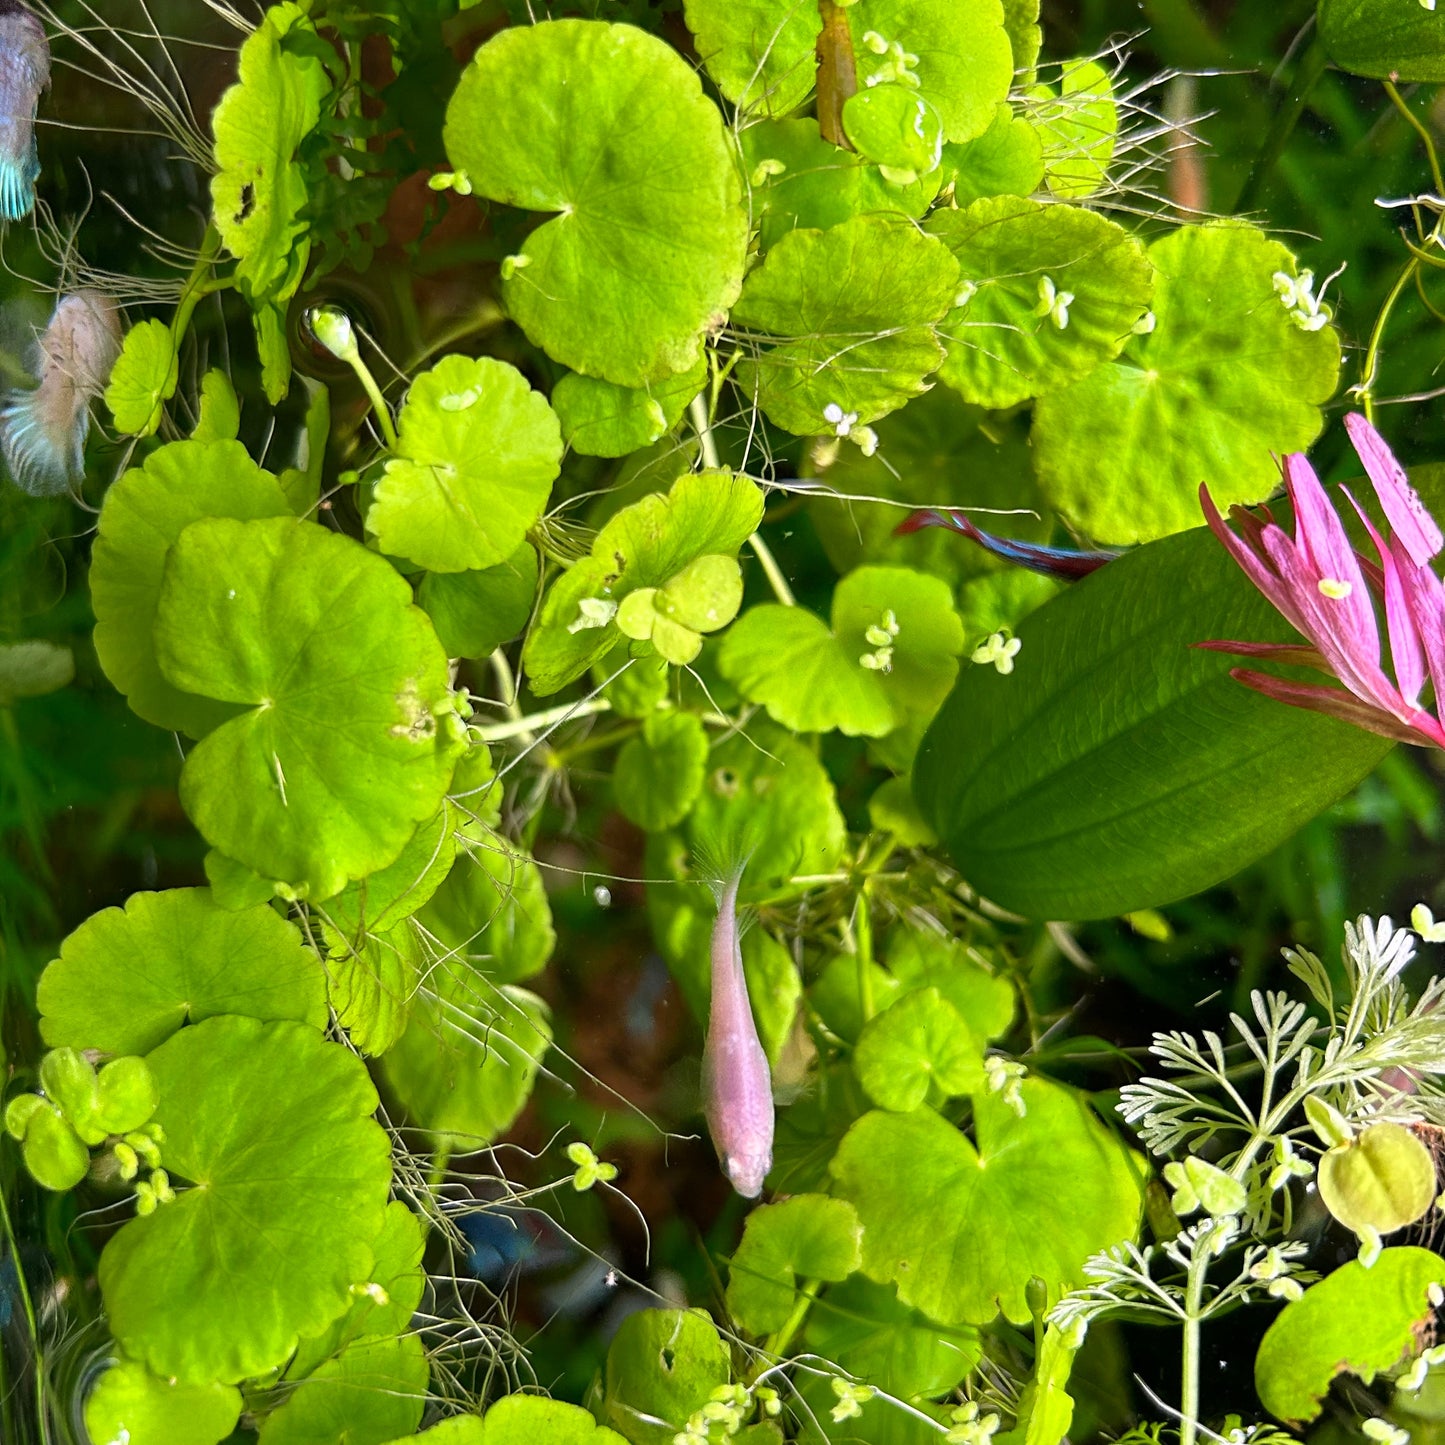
x,y
372,1391
1077,128
271,1128
144,379
806,1237
528,1419
259,190
659,775
466,1064
1005,343
891,652
349,738
641,256
963,61
850,312
471,473
895,127
661,1367
1006,160
930,1201
53,1154
32,669
127,979
1357,1321
131,1404
142,515
600,419
474,613
126,1095
919,1050
802,182
1227,380
1383,1179
760,53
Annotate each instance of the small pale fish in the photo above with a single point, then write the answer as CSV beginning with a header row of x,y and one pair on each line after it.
x,y
24,73
43,432
737,1083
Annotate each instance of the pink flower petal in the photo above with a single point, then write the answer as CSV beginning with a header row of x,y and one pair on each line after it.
x,y
1425,597
1292,654
1412,524
1406,651
1342,705
1254,563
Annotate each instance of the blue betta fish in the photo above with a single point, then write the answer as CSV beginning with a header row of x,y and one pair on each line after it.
x,y
24,73
43,432
1064,564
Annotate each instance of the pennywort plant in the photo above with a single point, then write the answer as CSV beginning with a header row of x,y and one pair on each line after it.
x,y
496,502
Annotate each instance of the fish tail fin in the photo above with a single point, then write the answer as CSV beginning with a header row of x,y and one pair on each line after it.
x,y
18,175
43,446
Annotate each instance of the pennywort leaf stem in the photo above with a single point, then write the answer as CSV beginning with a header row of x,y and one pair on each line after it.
x,y
863,943
781,1339
521,727
1413,121
774,573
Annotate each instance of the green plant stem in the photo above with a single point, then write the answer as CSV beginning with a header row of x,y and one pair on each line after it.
x,y
199,284
1365,391
1413,121
779,583
1189,1368
1311,67
28,1306
378,401
780,1340
863,942
520,727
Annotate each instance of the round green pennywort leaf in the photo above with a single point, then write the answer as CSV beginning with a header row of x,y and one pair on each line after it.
x,y
373,1390
477,454
144,379
760,53
1078,126
919,1050
127,979
129,1403
1051,292
474,613
349,738
844,319
270,1127
643,253
1228,378
891,652
659,774
930,1202
661,1367
143,514
600,419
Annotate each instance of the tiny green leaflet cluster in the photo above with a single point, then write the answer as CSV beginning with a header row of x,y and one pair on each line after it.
x,y
745,311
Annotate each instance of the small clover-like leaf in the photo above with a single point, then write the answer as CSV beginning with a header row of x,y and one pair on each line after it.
x,y
127,979
129,1403
53,1153
925,1194
919,1050
143,514
590,1169
648,544
639,257
659,774
259,190
600,419
1004,345
471,473
144,379
1226,380
806,1237
891,652
272,1126
288,620
845,318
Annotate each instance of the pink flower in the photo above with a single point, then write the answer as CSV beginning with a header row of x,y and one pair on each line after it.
x,y
1327,592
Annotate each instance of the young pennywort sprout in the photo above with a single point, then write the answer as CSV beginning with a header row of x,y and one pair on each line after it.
x,y
737,1082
